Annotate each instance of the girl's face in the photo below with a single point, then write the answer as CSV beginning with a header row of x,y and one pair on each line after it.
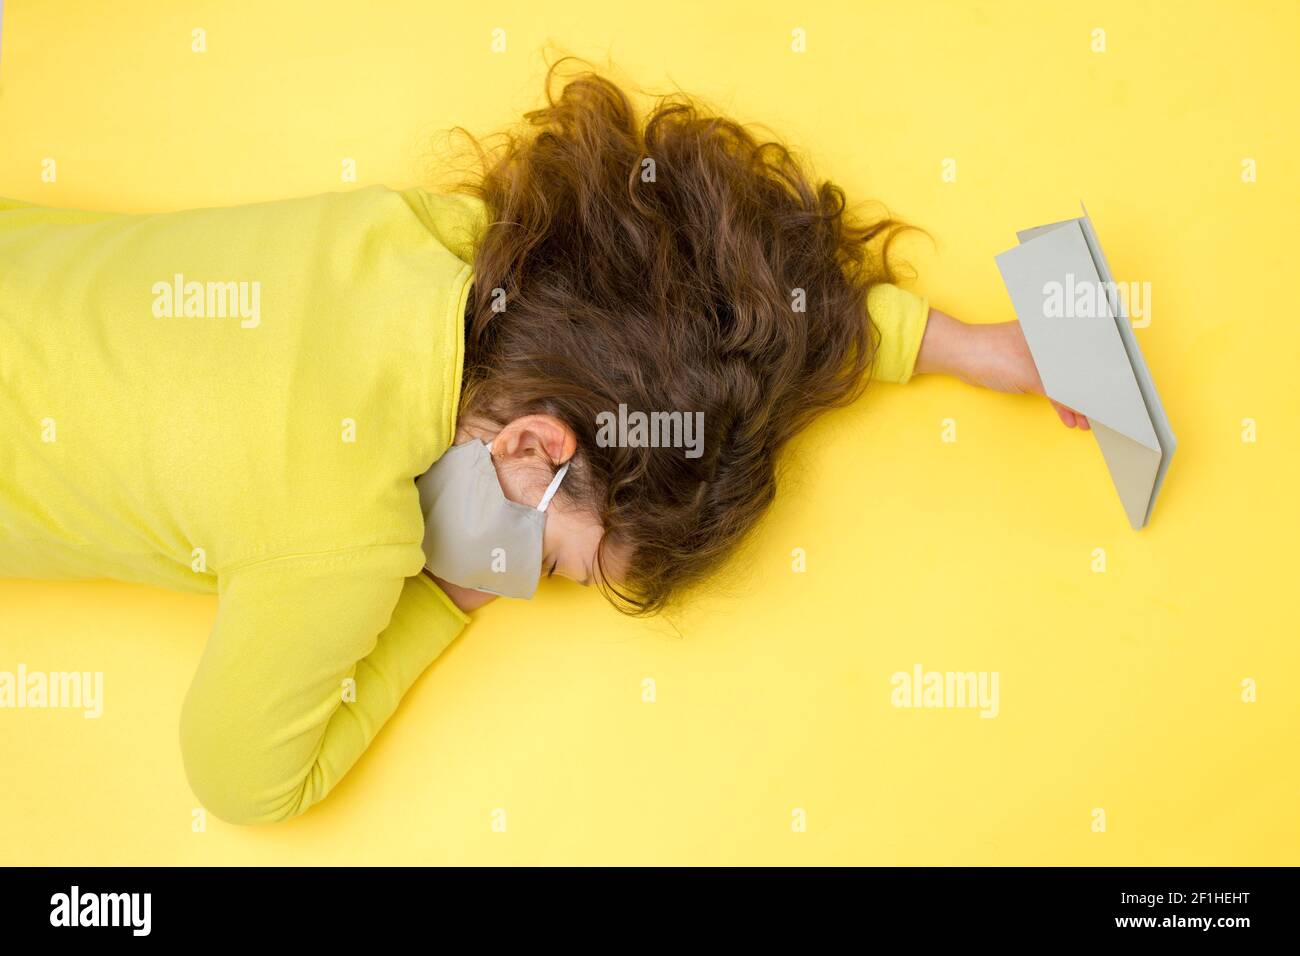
x,y
526,453
569,545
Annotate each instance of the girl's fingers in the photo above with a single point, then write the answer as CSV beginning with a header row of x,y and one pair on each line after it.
x,y
1071,418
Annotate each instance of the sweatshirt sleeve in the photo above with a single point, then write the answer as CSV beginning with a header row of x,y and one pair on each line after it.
x,y
901,317
308,658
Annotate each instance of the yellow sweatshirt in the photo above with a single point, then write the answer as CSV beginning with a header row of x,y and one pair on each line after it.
x,y
239,400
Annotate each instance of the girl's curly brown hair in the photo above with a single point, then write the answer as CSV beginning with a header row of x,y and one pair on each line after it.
x,y
661,262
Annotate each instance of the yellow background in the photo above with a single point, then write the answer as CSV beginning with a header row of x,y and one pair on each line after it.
x,y
1119,690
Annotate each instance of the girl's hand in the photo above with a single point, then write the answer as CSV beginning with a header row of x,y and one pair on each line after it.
x,y
464,598
990,356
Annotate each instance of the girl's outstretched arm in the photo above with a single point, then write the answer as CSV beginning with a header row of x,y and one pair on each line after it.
x,y
991,356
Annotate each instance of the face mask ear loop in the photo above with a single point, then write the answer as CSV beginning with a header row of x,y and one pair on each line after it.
x,y
553,487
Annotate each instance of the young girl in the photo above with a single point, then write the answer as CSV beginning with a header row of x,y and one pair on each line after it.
x,y
252,401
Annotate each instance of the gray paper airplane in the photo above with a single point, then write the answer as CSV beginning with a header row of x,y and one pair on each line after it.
x,y
1091,362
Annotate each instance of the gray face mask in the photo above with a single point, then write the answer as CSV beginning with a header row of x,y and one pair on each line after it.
x,y
474,535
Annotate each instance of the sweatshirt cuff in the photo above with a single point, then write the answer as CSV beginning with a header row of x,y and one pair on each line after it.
x,y
901,317
440,599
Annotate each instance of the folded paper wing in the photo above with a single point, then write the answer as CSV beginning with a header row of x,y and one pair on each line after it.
x,y
1077,328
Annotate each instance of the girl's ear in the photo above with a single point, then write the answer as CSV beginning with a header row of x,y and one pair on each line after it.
x,y
533,437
